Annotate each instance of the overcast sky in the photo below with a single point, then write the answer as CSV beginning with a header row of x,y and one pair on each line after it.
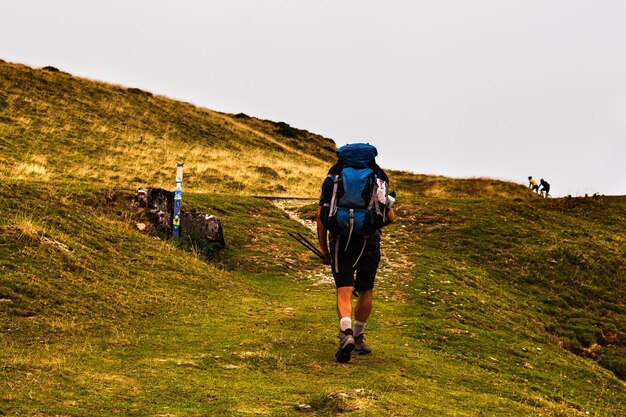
x,y
502,89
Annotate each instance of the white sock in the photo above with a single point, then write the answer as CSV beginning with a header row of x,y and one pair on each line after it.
x,y
345,323
359,327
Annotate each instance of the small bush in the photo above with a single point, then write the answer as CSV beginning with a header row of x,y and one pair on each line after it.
x,y
614,359
327,404
266,171
200,248
235,185
140,92
285,130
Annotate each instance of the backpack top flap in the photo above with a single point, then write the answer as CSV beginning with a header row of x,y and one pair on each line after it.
x,y
357,155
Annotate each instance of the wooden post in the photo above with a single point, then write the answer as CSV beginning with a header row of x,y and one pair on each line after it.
x,y
178,197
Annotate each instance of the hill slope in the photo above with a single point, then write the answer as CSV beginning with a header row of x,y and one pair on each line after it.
x,y
57,127
489,301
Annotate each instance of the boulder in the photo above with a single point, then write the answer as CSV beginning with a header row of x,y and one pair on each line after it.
x,y
158,206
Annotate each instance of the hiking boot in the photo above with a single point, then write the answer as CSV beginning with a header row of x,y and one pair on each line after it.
x,y
346,345
360,347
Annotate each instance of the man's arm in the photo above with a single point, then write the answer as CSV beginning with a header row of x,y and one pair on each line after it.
x,y
322,236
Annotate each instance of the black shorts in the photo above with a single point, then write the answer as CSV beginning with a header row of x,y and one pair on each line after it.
x,y
535,188
342,262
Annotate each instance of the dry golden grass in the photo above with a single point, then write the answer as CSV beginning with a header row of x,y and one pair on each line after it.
x,y
25,170
26,226
445,187
97,132
34,167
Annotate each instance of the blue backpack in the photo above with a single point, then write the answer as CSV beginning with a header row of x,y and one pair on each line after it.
x,y
354,208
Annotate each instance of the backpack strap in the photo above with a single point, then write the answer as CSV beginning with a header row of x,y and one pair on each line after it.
x,y
373,204
333,199
351,229
337,255
361,253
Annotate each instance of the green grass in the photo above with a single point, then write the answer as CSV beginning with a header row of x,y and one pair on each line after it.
x,y
125,324
564,257
488,302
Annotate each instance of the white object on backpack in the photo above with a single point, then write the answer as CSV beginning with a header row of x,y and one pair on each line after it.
x,y
381,191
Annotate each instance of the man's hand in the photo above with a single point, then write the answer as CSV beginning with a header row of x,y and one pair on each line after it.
x,y
326,258
391,216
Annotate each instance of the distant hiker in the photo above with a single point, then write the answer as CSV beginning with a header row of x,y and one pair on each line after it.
x,y
353,206
545,187
532,184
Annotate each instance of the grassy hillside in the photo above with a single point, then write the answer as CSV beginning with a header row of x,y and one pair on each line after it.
x,y
56,127
440,186
489,301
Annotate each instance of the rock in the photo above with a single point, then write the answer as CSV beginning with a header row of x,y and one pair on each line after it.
x,y
355,393
159,207
593,352
55,242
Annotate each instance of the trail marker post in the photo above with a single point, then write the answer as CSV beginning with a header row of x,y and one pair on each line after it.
x,y
178,197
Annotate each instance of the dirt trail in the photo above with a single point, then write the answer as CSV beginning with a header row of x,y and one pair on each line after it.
x,y
321,275
286,206
396,268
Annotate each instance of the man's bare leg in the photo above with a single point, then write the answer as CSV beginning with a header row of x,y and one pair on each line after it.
x,y
361,314
344,311
344,302
363,306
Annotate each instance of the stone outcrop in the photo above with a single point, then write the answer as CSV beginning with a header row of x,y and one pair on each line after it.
x,y
159,208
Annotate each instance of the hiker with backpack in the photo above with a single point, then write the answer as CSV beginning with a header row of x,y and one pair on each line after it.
x,y
353,207
545,188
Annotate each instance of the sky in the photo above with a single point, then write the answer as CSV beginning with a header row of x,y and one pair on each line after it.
x,y
481,88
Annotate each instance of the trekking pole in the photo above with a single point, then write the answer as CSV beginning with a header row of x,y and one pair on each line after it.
x,y
307,244
311,244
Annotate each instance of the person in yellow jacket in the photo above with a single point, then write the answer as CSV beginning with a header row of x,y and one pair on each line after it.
x,y
532,184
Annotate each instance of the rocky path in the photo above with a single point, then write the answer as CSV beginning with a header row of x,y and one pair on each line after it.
x,y
396,267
